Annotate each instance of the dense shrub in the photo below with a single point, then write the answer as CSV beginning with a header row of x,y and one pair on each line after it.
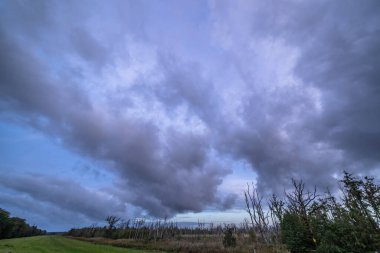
x,y
294,233
229,240
327,225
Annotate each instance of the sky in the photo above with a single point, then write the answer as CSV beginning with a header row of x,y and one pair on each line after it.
x,y
168,108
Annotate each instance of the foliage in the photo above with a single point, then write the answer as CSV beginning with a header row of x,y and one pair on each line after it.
x,y
11,227
327,225
310,222
294,233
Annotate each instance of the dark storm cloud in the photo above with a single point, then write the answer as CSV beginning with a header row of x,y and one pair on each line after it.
x,y
343,61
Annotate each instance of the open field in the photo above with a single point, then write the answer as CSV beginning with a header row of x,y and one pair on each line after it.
x,y
58,244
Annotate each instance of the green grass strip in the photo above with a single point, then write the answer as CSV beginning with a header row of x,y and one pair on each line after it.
x,y
57,244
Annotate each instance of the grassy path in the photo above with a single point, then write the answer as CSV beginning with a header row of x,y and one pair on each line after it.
x,y
57,244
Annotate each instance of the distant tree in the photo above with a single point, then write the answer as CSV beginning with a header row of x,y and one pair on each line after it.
x,y
112,221
229,240
5,224
11,227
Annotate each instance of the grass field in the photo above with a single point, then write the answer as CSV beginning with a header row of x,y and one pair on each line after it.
x,y
57,244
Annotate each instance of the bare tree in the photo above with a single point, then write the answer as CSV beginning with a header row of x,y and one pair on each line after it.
x,y
276,208
112,221
259,219
300,200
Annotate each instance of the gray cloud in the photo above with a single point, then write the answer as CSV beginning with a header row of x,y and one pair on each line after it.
x,y
185,85
87,47
65,194
157,166
330,121
296,95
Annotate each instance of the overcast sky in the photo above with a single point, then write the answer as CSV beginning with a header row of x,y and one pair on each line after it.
x,y
167,108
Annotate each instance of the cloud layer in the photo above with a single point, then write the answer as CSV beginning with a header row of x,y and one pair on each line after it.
x,y
289,87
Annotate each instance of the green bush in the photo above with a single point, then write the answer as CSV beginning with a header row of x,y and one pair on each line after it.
x,y
229,239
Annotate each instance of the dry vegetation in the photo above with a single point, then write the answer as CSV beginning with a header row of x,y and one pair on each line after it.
x,y
191,244
169,237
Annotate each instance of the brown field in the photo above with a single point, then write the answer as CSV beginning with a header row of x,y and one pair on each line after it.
x,y
190,244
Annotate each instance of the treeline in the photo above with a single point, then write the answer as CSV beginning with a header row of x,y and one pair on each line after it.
x,y
307,221
141,229
11,227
